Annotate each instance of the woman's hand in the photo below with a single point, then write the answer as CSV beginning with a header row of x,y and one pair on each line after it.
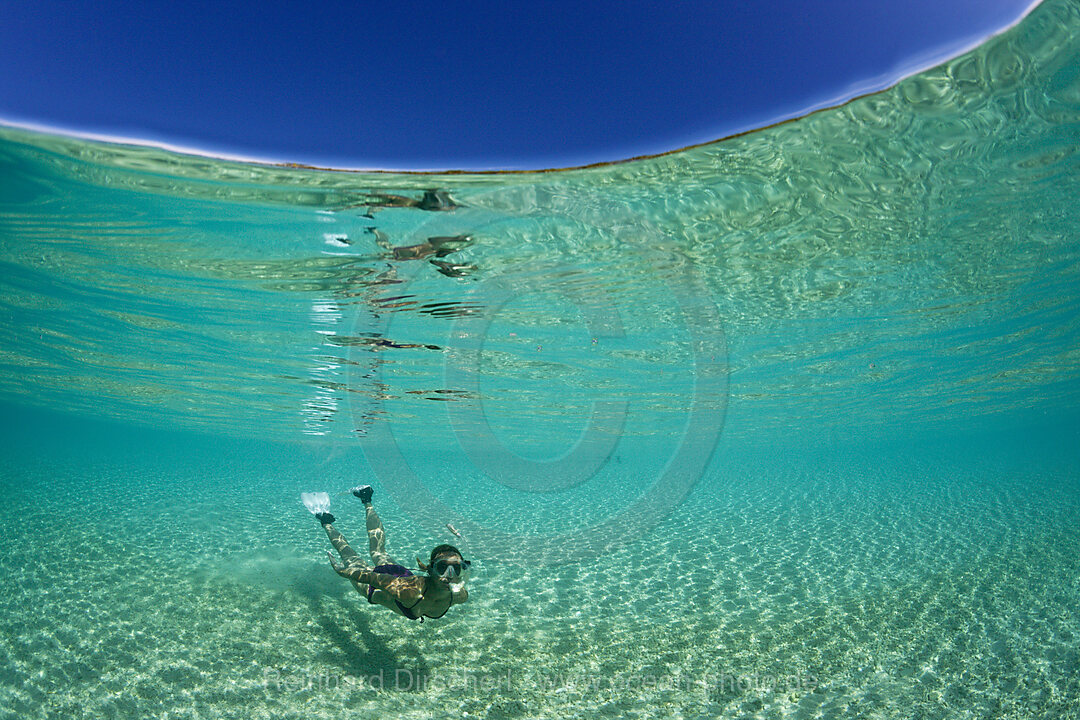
x,y
338,567
353,571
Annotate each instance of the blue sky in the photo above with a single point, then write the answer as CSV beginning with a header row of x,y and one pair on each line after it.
x,y
469,86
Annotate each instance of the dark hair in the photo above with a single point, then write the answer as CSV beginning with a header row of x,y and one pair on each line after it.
x,y
442,549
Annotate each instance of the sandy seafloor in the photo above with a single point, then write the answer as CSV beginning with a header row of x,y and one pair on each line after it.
x,y
177,577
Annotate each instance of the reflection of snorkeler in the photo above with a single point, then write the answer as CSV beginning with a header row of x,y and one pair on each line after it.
x,y
450,269
440,247
388,583
431,200
437,246
376,343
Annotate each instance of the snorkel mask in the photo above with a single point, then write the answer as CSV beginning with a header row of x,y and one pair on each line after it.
x,y
448,565
451,568
454,570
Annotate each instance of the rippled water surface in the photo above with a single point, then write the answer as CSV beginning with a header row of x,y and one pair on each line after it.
x,y
798,404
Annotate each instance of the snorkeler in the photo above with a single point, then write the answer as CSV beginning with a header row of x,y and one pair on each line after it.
x,y
388,583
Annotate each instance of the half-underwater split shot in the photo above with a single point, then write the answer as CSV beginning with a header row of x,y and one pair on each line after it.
x,y
779,426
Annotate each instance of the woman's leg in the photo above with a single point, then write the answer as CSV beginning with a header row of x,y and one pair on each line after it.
x,y
348,555
377,538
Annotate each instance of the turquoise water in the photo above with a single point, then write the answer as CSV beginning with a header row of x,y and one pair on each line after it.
x,y
781,426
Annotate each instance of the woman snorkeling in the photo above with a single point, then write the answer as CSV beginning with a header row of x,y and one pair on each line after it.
x,y
388,583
